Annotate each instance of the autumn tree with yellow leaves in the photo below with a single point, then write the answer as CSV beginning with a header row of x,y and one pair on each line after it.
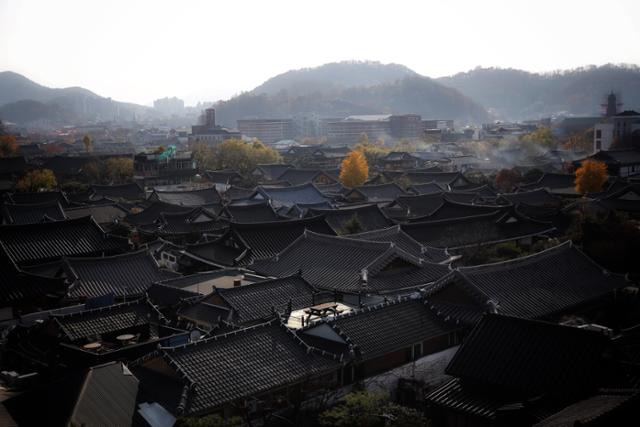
x,y
591,176
36,180
354,170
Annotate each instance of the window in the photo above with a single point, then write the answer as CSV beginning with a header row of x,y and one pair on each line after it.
x,y
598,133
598,145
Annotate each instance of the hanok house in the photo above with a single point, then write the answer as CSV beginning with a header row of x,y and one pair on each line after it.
x,y
249,372
562,185
244,243
379,338
512,371
40,197
122,276
250,213
405,242
619,162
257,302
31,244
435,207
367,218
182,227
32,213
23,292
374,193
302,176
225,177
102,395
550,284
479,230
190,198
351,266
269,172
289,196
120,193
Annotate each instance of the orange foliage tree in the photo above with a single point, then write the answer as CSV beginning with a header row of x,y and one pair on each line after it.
x,y
8,145
354,170
507,179
36,180
591,176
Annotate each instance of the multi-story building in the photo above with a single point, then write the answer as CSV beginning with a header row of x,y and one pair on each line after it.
x,y
617,131
267,130
169,106
210,133
152,169
385,126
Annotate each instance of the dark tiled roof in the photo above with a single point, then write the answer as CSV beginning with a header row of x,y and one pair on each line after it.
x,y
608,407
426,188
107,397
164,295
478,402
273,171
38,243
197,220
415,206
539,197
103,320
389,327
243,363
191,198
126,274
255,301
529,356
31,214
376,193
452,210
268,238
103,214
131,191
556,183
302,176
405,242
444,179
215,252
306,193
330,262
538,285
238,193
204,312
17,285
255,212
225,176
480,229
331,189
153,212
370,217
40,197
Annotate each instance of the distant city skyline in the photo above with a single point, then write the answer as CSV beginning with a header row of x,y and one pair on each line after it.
x,y
206,51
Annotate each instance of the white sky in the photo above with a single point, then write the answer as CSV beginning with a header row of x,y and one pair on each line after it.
x,y
137,51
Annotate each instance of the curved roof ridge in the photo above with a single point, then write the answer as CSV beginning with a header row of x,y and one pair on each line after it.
x,y
110,257
520,260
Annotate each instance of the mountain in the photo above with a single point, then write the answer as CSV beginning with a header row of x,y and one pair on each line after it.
x,y
341,89
333,77
26,102
515,94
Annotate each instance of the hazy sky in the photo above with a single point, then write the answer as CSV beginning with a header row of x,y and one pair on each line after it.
x,y
138,51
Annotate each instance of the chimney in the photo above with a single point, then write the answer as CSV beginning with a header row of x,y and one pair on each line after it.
x,y
237,283
210,118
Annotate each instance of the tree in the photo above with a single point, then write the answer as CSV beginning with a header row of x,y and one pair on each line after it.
x,y
159,149
239,155
354,170
580,141
371,409
373,151
93,171
507,179
541,136
591,176
8,145
119,169
36,180
88,144
352,226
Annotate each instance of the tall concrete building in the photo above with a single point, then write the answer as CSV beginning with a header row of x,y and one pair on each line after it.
x,y
210,133
268,130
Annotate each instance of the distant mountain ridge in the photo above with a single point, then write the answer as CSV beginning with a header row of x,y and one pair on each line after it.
x,y
26,102
515,94
346,88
